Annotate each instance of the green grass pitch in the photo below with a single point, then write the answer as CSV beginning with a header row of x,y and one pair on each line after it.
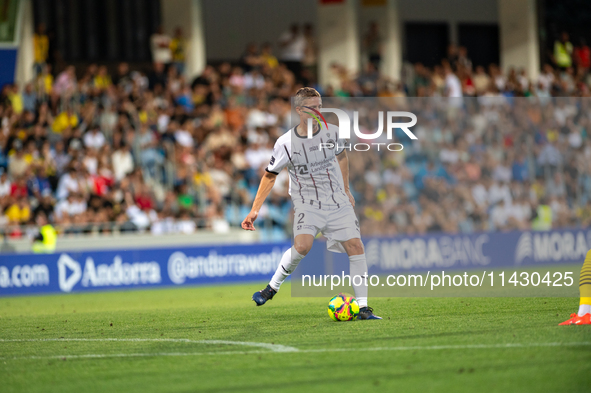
x,y
214,339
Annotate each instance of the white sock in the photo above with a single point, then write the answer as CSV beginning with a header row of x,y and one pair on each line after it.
x,y
289,261
358,267
584,309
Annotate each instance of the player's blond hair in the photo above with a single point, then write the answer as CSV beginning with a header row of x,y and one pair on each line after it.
x,y
303,93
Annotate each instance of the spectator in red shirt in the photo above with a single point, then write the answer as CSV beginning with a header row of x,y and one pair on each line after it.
x,y
582,55
102,181
144,200
18,189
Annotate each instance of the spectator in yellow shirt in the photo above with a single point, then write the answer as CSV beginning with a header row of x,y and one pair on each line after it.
x,y
584,214
563,51
177,47
40,48
18,160
267,56
45,81
19,212
64,120
102,80
16,99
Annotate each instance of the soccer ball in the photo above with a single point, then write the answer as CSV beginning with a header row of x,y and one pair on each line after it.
x,y
343,307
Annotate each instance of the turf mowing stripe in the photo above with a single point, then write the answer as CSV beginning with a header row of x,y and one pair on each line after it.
x,y
272,347
437,347
265,345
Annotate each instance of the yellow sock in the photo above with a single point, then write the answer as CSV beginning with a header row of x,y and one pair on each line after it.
x,y
585,286
585,279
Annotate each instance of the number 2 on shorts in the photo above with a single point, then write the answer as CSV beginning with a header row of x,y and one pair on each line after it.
x,y
301,220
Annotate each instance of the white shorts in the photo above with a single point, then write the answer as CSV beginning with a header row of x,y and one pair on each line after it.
x,y
337,225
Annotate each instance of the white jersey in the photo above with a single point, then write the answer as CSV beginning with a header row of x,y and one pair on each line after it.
x,y
315,177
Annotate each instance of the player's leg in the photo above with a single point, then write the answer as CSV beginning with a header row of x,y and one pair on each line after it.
x,y
343,234
306,226
358,268
289,261
583,317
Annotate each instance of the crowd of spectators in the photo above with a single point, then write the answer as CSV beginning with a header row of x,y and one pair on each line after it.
x,y
96,151
491,163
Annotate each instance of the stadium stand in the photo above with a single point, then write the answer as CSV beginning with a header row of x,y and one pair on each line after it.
x,y
105,152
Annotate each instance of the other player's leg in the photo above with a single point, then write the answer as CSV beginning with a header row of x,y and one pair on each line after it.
x,y
583,317
289,261
358,268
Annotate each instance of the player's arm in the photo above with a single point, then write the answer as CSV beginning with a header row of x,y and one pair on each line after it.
x,y
344,164
279,160
265,187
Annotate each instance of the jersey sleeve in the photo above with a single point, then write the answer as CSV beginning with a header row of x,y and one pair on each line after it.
x,y
279,159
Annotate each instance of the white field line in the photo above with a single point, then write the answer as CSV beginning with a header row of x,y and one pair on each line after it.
x,y
273,348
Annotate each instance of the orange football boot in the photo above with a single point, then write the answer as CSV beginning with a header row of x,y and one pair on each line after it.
x,y
576,320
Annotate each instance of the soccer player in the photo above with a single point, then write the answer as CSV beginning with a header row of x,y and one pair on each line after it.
x,y
583,317
319,187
